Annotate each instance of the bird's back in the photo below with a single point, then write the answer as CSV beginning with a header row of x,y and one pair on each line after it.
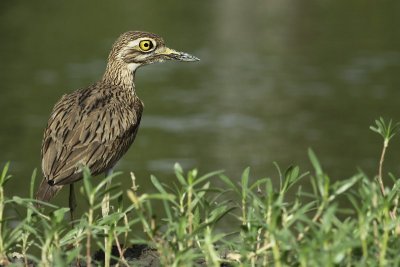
x,y
94,127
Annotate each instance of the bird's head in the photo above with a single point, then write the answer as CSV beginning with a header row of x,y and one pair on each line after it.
x,y
136,49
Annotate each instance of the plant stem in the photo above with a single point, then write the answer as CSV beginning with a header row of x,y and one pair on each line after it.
x,y
3,178
190,215
105,209
276,252
380,180
89,235
383,244
1,222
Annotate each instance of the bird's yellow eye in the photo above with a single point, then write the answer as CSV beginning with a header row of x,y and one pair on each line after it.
x,y
146,45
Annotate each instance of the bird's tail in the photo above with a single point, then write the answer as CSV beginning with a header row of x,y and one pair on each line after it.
x,y
46,191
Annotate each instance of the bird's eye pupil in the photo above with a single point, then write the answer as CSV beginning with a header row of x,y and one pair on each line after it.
x,y
146,45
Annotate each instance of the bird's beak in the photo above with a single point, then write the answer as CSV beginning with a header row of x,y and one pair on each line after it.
x,y
172,54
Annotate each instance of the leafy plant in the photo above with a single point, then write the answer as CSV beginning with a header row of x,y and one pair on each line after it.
x,y
214,220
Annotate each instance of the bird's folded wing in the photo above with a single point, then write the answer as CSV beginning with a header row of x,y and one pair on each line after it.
x,y
91,134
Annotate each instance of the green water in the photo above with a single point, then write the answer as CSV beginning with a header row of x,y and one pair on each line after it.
x,y
275,78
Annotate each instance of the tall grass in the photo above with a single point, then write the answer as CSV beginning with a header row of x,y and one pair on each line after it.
x,y
215,220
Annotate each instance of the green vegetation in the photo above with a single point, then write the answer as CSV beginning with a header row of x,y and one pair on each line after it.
x,y
350,222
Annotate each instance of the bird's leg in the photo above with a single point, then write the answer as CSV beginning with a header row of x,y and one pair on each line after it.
x,y
105,204
72,202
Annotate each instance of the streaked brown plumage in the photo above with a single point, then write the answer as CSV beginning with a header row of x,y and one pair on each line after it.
x,y
96,125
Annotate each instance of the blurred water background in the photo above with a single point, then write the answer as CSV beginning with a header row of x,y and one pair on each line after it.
x,y
275,78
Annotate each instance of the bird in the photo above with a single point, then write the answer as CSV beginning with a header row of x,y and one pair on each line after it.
x,y
96,125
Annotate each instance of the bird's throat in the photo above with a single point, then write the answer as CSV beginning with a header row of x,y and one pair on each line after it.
x,y
120,75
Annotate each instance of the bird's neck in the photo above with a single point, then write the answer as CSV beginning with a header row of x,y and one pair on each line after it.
x,y
121,75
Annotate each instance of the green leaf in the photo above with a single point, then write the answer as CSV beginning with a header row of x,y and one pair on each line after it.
x,y
164,196
86,181
59,214
207,176
341,186
386,130
228,181
245,182
279,173
315,162
32,186
157,184
178,168
4,177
